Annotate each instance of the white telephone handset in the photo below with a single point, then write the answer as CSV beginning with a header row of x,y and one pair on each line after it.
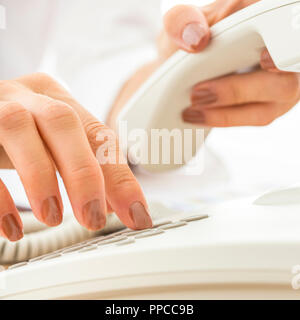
x,y
236,44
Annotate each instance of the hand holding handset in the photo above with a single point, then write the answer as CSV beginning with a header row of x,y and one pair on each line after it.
x,y
236,44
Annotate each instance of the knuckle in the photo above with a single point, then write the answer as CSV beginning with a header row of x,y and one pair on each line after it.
x,y
85,172
13,116
59,115
41,82
121,177
42,77
98,134
93,128
38,170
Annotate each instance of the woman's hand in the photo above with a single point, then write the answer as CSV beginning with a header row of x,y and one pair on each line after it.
x,y
256,98
251,99
187,26
42,128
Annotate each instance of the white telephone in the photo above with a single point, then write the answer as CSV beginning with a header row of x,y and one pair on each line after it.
x,y
238,250
241,250
237,42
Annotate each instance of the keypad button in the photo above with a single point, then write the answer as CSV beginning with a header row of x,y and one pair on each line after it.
x,y
112,240
52,256
88,248
173,225
38,258
125,242
17,265
34,259
121,232
133,233
149,234
161,223
195,218
42,257
73,249
94,241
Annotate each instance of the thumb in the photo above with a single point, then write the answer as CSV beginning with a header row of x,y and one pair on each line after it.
x,y
187,26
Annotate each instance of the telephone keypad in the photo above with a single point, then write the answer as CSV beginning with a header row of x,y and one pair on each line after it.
x,y
120,238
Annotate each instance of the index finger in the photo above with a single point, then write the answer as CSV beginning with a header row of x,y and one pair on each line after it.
x,y
123,191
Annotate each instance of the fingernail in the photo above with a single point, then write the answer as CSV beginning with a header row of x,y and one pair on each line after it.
x,y
11,228
267,60
192,35
51,212
204,96
93,215
140,216
193,116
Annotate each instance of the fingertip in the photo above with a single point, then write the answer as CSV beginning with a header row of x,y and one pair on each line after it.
x,y
94,215
193,115
140,216
11,227
134,212
130,205
188,28
97,226
123,192
52,212
195,37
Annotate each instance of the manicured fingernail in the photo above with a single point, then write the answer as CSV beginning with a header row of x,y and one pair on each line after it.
x,y
140,216
204,96
51,212
11,228
192,35
193,116
267,60
93,215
